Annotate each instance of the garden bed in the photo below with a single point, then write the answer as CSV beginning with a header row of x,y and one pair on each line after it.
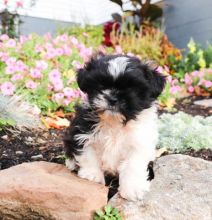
x,y
18,147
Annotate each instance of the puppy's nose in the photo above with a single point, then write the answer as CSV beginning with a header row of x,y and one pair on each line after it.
x,y
112,100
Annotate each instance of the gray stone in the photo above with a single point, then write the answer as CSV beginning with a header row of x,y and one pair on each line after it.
x,y
37,157
181,190
19,152
206,103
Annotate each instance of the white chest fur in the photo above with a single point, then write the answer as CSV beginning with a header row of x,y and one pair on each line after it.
x,y
113,142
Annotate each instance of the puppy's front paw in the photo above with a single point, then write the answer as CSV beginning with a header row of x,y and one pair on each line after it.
x,y
134,189
70,164
92,175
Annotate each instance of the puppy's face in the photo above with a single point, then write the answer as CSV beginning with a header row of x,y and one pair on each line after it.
x,y
120,85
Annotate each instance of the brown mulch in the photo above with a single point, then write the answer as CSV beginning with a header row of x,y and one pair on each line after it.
x,y
187,105
17,147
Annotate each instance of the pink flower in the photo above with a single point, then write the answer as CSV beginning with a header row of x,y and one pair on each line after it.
x,y
59,51
38,48
194,73
74,41
51,53
7,88
11,43
159,69
69,92
207,83
118,49
11,61
54,75
63,37
66,49
10,69
19,4
20,66
175,89
4,37
58,85
66,102
86,53
58,97
169,79
17,77
187,79
191,89
76,65
23,39
41,65
31,84
47,36
35,73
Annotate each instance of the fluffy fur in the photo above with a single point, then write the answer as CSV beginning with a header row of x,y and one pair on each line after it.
x,y
115,131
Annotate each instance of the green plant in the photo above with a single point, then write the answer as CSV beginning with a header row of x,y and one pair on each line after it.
x,y
108,213
6,122
90,35
149,43
16,112
195,59
180,132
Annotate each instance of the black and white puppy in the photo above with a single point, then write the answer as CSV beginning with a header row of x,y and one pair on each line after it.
x,y
115,131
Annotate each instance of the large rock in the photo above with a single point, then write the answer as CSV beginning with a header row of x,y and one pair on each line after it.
x,y
47,191
181,190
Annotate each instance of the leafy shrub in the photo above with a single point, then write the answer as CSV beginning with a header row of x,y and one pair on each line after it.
x,y
109,213
195,59
149,43
180,132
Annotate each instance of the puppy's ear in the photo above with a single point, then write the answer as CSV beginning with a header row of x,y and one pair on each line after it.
x,y
156,80
81,79
84,75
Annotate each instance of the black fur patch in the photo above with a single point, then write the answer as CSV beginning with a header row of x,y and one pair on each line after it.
x,y
83,123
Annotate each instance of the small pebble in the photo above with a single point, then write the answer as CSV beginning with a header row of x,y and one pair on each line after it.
x,y
40,141
19,152
4,137
37,157
42,148
29,139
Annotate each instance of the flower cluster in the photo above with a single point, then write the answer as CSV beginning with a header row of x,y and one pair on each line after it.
x,y
198,78
42,68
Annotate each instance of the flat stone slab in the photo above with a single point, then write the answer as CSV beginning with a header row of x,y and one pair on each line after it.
x,y
206,103
181,190
47,191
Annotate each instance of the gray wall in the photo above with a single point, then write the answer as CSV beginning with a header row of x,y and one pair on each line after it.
x,y
188,18
40,25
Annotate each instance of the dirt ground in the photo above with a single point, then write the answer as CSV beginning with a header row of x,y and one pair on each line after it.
x,y
17,147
